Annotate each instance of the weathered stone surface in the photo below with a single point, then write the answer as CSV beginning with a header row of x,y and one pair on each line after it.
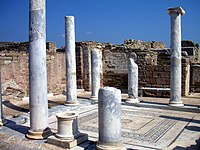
x,y
37,71
95,72
2,120
132,81
195,78
109,105
137,44
175,67
70,61
67,143
153,65
67,125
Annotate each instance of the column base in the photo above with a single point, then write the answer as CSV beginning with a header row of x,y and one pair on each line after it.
x,y
108,147
67,143
132,100
71,103
39,135
2,122
176,104
94,98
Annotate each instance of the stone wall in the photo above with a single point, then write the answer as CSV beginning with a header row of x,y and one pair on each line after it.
x,y
15,73
153,60
23,47
195,78
83,54
192,50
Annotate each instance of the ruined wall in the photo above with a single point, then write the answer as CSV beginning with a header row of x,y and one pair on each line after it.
x,y
83,54
115,59
153,66
195,78
192,50
15,73
153,60
159,76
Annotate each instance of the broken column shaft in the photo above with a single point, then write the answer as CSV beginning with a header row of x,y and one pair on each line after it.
x,y
132,82
175,67
109,107
37,71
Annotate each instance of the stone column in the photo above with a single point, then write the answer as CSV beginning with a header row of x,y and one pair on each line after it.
x,y
109,108
2,120
175,67
70,61
132,82
87,68
95,73
37,71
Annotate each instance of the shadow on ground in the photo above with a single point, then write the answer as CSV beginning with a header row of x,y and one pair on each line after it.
x,y
19,128
192,147
12,106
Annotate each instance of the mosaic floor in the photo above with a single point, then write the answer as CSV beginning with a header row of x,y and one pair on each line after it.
x,y
146,128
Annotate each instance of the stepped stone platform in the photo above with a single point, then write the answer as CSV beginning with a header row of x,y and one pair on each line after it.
x,y
150,125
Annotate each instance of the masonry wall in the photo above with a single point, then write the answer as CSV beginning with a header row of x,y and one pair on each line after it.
x,y
153,60
15,73
195,78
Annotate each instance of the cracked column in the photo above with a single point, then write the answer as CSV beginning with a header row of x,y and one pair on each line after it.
x,y
70,61
37,71
132,82
175,67
95,72
109,108
2,120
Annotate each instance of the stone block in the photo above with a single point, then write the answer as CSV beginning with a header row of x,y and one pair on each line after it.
x,y
67,143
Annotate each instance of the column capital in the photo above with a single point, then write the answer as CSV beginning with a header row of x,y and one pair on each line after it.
x,y
70,17
177,10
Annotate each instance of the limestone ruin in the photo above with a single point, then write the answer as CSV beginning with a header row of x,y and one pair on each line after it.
x,y
157,70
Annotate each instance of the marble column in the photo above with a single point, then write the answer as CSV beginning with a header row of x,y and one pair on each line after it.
x,y
175,67
37,71
95,72
109,108
132,82
70,61
2,120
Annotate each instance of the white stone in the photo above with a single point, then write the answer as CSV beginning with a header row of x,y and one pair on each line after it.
x,y
37,71
67,125
109,109
132,82
175,67
95,72
70,61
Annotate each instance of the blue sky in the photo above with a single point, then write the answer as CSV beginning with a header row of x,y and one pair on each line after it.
x,y
103,20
